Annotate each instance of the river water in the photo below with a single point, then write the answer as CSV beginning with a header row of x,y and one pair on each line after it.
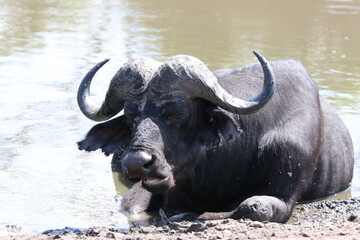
x,y
47,46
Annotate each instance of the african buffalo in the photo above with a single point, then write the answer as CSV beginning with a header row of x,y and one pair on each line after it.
x,y
249,142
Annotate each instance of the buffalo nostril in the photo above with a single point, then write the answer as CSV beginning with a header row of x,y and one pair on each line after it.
x,y
147,165
145,159
136,164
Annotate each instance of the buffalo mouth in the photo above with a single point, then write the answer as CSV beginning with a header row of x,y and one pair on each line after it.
x,y
158,184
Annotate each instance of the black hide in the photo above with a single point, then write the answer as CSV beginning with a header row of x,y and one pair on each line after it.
x,y
210,163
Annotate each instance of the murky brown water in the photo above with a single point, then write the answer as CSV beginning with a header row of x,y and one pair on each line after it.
x,y
47,46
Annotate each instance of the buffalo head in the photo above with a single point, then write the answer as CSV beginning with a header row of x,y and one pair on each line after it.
x,y
174,114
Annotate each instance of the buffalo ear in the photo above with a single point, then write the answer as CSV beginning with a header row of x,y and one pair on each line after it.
x,y
111,136
225,123
220,126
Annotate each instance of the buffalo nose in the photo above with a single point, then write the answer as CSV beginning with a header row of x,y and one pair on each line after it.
x,y
135,164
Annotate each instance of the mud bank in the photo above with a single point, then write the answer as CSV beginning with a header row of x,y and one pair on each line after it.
x,y
335,219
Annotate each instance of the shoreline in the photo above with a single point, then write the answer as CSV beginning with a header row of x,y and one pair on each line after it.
x,y
335,219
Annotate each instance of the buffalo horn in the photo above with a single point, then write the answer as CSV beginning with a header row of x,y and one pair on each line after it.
x,y
190,75
131,80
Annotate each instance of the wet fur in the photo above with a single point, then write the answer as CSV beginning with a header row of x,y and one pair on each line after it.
x,y
226,164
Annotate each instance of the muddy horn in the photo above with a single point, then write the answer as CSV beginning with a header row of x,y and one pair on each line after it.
x,y
190,75
131,80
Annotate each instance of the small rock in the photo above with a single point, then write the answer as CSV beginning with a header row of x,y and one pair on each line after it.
x,y
305,234
256,225
223,227
352,217
225,221
196,227
210,224
92,232
144,230
110,235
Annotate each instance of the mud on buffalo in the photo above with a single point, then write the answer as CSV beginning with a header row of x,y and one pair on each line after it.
x,y
248,142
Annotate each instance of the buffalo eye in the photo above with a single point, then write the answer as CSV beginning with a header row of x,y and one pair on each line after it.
x,y
216,117
174,112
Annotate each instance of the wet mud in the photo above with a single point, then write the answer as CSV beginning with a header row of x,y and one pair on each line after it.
x,y
332,219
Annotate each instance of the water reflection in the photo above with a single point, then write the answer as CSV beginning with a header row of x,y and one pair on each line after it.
x,y
47,46
223,35
343,7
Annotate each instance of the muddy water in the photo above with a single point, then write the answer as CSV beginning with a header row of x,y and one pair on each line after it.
x,y
47,46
